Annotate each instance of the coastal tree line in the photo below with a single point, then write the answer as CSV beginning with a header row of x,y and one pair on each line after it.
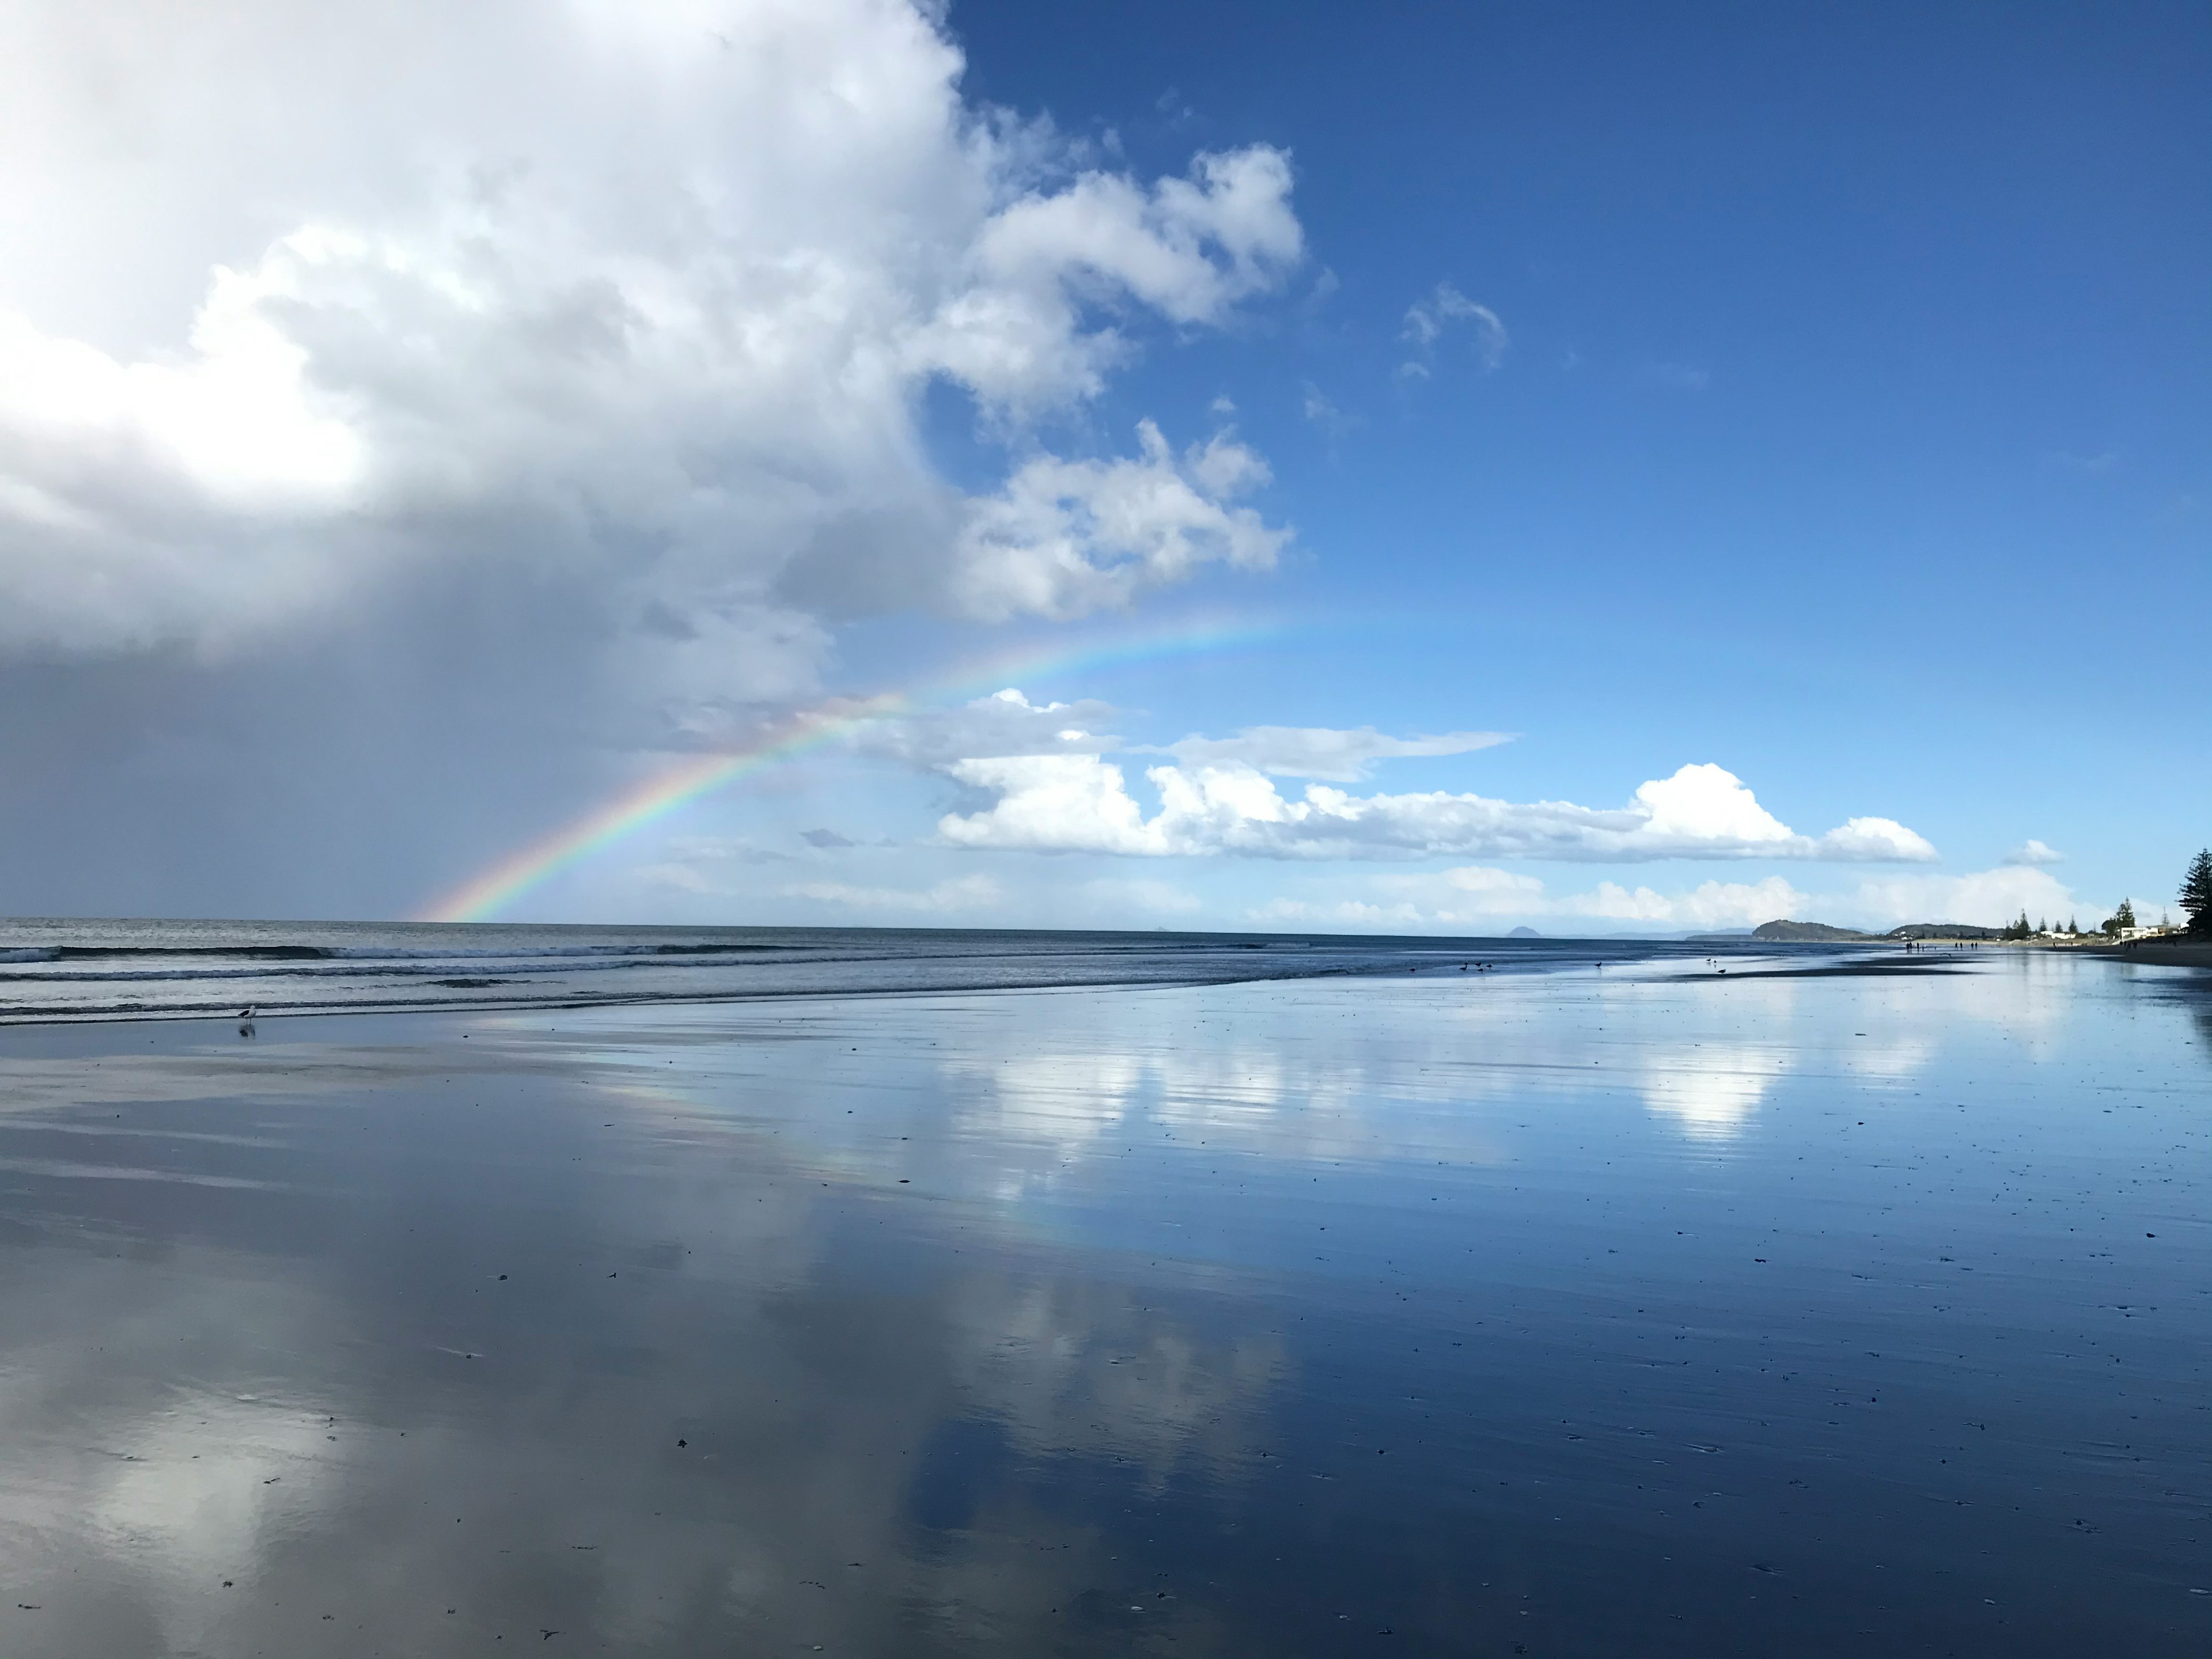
x,y
2196,900
2197,895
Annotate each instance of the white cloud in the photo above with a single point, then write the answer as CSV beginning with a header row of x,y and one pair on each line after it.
x,y
1712,904
961,894
1065,537
1309,751
1189,248
1080,803
2034,852
1005,723
1986,898
635,299
1051,803
1427,319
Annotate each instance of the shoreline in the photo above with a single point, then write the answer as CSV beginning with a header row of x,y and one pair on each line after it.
x,y
2157,953
153,970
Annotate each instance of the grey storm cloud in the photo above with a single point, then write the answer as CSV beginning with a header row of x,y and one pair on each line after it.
x,y
410,413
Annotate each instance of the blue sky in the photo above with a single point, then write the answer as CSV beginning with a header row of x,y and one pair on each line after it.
x,y
1818,394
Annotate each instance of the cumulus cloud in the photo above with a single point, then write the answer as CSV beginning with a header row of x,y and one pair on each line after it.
x,y
2034,852
1081,803
638,297
1307,751
1065,537
1428,320
413,416
1189,248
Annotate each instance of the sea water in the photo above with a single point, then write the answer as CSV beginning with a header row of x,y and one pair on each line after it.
x,y
91,969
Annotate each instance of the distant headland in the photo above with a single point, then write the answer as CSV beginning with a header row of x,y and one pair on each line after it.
x,y
2188,943
2121,933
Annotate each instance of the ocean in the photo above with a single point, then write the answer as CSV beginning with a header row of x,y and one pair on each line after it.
x,y
100,970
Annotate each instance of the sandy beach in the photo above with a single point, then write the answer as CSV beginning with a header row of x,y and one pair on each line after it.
x,y
2161,953
1634,1309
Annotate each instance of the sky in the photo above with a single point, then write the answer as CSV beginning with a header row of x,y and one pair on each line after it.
x,y
1383,469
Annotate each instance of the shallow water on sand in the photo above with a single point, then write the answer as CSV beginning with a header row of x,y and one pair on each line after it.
x,y
1624,1312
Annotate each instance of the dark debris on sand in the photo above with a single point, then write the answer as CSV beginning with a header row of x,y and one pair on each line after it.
x,y
1887,969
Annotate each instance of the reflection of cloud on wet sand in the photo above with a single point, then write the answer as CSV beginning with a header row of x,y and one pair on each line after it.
x,y
863,1468
1052,1106
1039,1110
1083,1370
141,1467
1710,1091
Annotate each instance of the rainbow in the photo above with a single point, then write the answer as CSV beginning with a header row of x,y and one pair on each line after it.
x,y
655,798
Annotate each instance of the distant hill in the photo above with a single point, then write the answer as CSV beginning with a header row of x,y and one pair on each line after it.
x,y
1524,933
1811,933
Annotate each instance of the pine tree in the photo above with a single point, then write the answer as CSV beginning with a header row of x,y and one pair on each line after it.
x,y
2197,895
2125,915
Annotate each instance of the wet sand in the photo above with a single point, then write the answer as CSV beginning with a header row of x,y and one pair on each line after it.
x,y
2159,953
1619,1312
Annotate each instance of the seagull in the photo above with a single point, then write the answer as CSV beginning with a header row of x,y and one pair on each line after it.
x,y
246,1013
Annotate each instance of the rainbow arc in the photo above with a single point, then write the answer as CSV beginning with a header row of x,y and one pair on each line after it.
x,y
668,790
